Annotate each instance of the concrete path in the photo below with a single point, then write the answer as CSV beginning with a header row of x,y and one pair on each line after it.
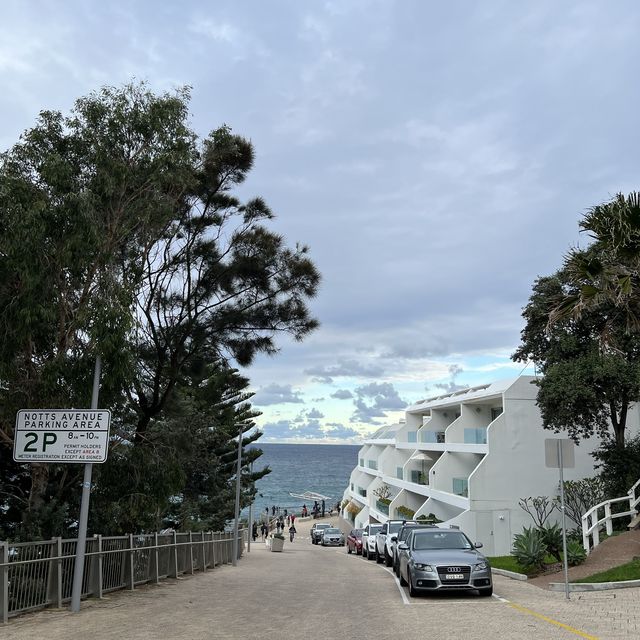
x,y
313,592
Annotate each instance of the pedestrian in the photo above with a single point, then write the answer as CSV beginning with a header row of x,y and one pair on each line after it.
x,y
273,510
285,513
304,510
264,530
292,532
254,531
293,518
323,508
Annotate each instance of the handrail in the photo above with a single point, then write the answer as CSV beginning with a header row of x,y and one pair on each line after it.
x,y
591,523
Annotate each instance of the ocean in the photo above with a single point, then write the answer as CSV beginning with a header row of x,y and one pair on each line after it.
x,y
296,468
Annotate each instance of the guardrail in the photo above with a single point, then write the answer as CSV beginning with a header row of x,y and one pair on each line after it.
x,y
34,575
592,523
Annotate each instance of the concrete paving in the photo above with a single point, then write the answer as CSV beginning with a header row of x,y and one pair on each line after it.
x,y
310,591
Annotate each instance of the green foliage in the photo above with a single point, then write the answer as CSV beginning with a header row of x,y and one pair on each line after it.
x,y
551,535
278,536
120,235
619,467
529,548
405,512
428,519
586,389
575,553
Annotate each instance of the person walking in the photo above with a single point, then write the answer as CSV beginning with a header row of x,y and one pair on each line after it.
x,y
292,532
254,531
293,518
264,530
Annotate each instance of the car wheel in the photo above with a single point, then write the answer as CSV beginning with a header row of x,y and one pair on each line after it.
x,y
364,553
379,558
486,593
403,582
395,570
412,591
388,560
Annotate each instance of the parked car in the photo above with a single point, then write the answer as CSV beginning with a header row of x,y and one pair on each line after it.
x,y
401,536
316,531
332,537
354,541
383,540
440,559
369,540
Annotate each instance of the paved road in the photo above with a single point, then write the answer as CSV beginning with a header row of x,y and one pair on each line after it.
x,y
313,592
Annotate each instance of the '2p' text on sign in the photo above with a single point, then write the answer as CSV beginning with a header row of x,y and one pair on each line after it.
x,y
61,435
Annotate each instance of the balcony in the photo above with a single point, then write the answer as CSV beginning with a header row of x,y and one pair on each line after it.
x,y
412,436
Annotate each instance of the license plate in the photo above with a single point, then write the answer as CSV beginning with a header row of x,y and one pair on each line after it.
x,y
455,576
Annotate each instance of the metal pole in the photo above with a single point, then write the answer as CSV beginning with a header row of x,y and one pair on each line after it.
x,y
250,518
564,524
238,478
78,569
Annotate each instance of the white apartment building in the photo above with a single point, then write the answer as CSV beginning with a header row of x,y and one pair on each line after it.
x,y
466,457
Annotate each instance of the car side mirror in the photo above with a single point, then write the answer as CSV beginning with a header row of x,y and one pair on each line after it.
x,y
402,546
478,545
394,538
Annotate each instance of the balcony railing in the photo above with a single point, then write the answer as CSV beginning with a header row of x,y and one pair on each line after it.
x,y
382,507
475,436
412,436
433,437
461,487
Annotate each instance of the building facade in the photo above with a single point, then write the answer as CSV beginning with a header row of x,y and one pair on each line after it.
x,y
466,459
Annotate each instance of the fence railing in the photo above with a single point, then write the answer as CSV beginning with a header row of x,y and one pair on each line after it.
x,y
592,522
34,575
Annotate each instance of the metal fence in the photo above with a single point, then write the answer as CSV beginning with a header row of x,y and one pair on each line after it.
x,y
34,575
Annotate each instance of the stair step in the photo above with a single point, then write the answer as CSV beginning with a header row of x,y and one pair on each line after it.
x,y
635,522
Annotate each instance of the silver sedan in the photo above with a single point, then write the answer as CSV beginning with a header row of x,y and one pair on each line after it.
x,y
332,537
438,559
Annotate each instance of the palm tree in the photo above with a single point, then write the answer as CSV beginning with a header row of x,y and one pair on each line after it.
x,y
607,274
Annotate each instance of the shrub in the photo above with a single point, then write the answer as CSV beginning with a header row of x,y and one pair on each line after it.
x,y
529,548
551,535
575,553
278,535
405,512
430,519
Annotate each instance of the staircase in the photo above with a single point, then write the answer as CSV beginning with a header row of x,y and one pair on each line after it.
x,y
592,522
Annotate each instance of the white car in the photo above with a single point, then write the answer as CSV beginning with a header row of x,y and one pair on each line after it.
x,y
384,551
369,540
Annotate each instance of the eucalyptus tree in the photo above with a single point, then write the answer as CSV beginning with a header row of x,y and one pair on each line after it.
x,y
120,236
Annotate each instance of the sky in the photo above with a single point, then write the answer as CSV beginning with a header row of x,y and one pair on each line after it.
x,y
435,157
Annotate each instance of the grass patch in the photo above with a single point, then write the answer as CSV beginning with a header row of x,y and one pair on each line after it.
x,y
628,571
509,563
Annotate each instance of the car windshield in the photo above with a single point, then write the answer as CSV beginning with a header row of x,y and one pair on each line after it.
x,y
332,530
357,533
394,527
375,529
322,526
424,540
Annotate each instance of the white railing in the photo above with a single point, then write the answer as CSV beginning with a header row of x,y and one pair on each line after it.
x,y
592,522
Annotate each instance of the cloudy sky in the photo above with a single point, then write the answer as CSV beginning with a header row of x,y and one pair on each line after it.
x,y
436,158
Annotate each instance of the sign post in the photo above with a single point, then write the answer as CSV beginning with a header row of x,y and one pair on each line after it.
x,y
67,436
236,526
559,454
